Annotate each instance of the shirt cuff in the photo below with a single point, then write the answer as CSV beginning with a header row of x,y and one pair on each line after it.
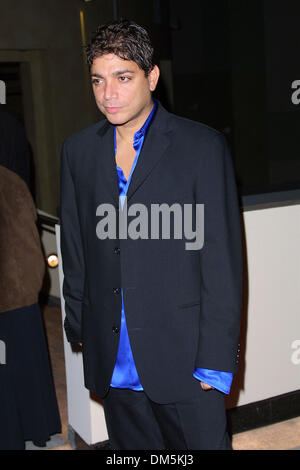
x,y
215,378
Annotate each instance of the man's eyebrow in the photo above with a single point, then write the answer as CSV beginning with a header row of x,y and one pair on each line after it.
x,y
116,73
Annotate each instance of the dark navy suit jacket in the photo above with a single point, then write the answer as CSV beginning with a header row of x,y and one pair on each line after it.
x,y
182,306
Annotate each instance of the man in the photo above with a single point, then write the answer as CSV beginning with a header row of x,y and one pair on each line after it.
x,y
158,322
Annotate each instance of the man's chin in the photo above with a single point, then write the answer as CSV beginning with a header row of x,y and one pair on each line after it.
x,y
114,119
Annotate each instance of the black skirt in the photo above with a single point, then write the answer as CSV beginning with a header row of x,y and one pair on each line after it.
x,y
28,405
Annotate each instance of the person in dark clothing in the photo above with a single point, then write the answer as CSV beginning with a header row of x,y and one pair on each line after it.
x,y
28,405
158,321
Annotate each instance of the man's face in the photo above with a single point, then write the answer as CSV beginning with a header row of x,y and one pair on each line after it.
x,y
122,92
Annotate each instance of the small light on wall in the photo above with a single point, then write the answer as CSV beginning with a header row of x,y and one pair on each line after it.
x,y
52,260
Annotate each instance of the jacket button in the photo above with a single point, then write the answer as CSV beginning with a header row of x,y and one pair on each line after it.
x,y
116,290
117,250
115,329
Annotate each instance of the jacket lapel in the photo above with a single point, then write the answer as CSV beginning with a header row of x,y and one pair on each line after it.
x,y
157,141
106,167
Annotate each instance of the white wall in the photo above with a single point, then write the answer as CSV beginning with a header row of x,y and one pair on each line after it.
x,y
270,365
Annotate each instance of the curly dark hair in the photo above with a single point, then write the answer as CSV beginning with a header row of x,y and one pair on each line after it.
x,y
124,38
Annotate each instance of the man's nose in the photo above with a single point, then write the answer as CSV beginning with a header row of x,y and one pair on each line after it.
x,y
110,91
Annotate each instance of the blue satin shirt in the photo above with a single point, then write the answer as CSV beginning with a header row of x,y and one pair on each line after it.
x,y
125,374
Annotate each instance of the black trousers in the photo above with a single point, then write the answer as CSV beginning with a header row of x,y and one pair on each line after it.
x,y
134,422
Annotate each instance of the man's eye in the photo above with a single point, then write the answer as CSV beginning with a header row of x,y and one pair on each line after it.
x,y
124,79
96,81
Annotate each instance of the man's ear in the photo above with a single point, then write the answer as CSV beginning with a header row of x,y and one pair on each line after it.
x,y
153,77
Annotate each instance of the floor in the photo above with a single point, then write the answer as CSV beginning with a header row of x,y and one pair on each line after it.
x,y
280,436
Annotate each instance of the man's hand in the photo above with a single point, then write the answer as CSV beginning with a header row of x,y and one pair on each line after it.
x,y
206,386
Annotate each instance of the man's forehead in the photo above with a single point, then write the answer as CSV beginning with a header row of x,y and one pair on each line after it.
x,y
113,62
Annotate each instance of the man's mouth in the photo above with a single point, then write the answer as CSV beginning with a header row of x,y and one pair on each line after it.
x,y
112,109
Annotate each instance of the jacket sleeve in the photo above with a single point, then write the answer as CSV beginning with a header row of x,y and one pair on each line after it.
x,y
72,253
220,261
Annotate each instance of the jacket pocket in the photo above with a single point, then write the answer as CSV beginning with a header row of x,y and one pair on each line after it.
x,y
189,304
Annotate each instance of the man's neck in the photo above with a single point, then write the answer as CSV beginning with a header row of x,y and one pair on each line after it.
x,y
125,132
